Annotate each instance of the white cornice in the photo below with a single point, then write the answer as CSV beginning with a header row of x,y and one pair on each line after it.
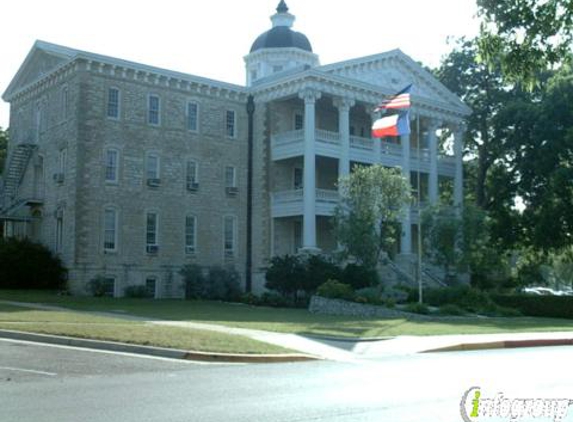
x,y
120,69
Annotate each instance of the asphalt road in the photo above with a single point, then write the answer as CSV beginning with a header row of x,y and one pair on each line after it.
x,y
40,383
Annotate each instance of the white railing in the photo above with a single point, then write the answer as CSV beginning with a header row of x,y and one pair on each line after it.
x,y
326,195
327,136
361,143
292,136
288,196
386,148
423,156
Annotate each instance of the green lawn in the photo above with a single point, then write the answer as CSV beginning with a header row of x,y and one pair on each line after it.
x,y
75,324
291,320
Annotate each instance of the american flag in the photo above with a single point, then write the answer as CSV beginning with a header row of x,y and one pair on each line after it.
x,y
398,101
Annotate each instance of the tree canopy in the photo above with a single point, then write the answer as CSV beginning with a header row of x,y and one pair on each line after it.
x,y
525,36
372,202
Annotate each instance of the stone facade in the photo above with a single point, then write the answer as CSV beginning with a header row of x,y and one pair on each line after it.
x,y
101,149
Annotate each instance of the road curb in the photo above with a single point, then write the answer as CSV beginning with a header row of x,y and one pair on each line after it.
x,y
504,344
155,351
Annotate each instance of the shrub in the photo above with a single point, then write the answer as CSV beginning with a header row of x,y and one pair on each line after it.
x,y
220,283
250,299
274,299
285,275
369,295
138,292
28,265
538,306
318,270
451,309
334,289
195,281
359,276
224,283
390,303
99,286
418,308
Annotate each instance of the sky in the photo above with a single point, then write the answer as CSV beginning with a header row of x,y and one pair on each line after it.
x,y
209,38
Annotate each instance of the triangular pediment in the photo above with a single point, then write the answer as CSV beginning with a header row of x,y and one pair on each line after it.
x,y
41,60
393,71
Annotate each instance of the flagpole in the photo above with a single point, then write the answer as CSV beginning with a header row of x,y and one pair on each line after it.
x,y
420,287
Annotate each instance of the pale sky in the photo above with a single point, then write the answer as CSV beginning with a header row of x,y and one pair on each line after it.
x,y
209,38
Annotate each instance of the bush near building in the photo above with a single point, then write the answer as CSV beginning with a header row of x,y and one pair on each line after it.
x,y
27,265
538,306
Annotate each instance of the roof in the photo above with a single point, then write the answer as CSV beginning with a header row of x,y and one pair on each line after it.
x,y
281,36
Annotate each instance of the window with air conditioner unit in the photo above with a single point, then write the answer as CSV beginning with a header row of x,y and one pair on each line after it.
x,y
152,164
151,230
191,176
190,234
231,180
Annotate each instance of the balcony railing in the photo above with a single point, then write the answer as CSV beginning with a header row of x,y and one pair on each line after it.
x,y
290,202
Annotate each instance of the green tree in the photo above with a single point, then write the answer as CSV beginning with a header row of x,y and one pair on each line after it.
x,y
524,36
3,148
365,221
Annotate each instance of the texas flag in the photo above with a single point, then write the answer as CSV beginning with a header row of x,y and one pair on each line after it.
x,y
394,125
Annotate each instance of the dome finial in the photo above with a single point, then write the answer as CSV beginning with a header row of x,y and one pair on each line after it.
x,y
282,7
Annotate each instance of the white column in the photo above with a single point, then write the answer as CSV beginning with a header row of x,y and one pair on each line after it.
x,y
406,243
433,193
309,173
459,175
376,141
344,105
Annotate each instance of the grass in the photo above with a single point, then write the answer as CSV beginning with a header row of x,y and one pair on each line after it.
x,y
75,324
292,320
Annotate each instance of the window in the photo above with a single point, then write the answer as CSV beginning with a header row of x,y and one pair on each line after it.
x,y
297,178
192,116
38,120
151,223
59,230
230,122
151,287
190,234
152,167
62,158
352,131
65,103
230,179
277,68
191,176
109,286
153,110
229,236
253,75
111,165
297,236
113,103
298,121
110,230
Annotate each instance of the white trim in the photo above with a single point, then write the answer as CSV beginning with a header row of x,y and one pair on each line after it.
x,y
198,114
235,121
148,110
233,251
148,155
116,229
117,165
194,245
146,214
118,117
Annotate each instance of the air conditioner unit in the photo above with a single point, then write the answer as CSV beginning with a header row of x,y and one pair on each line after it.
x,y
232,190
192,186
190,250
153,182
152,249
59,177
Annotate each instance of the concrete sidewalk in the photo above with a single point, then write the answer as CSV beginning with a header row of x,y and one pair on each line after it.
x,y
349,350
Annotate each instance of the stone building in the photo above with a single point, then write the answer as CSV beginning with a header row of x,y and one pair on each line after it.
x,y
130,171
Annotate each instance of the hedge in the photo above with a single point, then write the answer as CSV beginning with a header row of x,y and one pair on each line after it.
x,y
538,306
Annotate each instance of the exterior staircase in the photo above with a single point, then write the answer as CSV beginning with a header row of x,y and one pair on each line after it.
x,y
17,163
